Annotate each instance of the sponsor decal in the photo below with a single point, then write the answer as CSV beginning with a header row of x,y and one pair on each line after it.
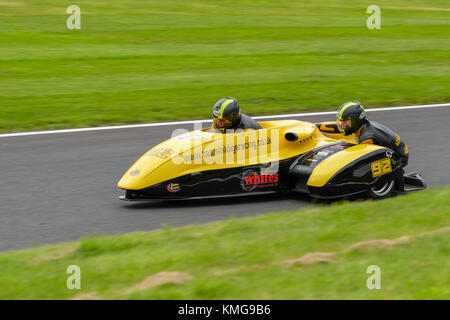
x,y
252,180
173,187
135,172
163,153
338,147
397,140
229,148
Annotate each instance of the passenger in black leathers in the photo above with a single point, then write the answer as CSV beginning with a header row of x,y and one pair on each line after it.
x,y
351,119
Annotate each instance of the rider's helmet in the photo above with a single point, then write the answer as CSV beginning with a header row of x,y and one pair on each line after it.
x,y
350,117
226,114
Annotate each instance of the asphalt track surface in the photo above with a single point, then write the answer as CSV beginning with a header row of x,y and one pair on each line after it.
x,y
59,187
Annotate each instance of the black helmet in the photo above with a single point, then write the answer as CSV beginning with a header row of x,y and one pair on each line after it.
x,y
226,114
354,112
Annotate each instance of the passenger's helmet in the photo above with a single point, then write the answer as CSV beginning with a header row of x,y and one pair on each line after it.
x,y
350,117
226,114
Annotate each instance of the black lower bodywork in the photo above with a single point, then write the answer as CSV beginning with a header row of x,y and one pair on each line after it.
x,y
288,175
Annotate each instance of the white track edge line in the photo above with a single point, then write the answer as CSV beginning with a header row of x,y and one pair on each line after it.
x,y
160,124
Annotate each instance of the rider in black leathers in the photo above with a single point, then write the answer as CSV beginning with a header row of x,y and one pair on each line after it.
x,y
228,118
351,119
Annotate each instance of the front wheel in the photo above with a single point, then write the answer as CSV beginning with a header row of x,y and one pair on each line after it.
x,y
383,190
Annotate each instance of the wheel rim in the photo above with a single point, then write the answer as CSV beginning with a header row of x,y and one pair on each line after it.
x,y
384,189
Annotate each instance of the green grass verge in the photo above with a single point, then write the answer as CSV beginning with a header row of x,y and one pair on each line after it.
x,y
247,258
142,61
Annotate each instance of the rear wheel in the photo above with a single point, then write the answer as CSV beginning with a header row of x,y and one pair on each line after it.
x,y
382,190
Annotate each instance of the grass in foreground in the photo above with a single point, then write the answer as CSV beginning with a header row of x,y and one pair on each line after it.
x,y
142,61
272,256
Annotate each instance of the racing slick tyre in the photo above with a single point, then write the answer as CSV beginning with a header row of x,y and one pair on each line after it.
x,y
382,190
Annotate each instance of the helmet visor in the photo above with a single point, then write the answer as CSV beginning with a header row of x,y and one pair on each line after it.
x,y
222,123
343,124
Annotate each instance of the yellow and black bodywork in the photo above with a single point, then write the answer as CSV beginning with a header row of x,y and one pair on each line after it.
x,y
284,156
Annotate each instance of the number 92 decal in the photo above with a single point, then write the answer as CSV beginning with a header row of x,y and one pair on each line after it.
x,y
381,167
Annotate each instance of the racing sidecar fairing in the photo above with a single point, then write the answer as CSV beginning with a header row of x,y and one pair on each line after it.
x,y
284,156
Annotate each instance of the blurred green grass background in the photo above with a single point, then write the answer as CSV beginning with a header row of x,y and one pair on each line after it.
x,y
143,61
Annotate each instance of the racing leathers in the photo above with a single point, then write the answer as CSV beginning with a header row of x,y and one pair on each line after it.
x,y
375,133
